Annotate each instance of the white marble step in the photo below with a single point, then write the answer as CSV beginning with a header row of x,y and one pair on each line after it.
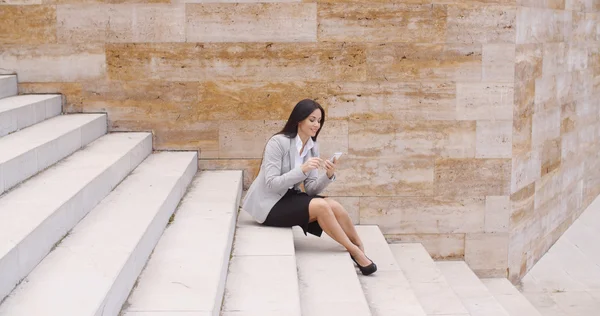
x,y
188,268
472,292
509,297
31,150
92,271
38,213
8,86
327,277
262,278
429,285
388,292
22,111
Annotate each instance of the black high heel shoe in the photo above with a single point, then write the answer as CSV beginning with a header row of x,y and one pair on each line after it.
x,y
370,269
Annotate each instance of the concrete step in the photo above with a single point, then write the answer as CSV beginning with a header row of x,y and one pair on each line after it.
x,y
92,271
38,213
327,277
509,297
188,268
8,86
431,288
22,111
31,150
388,292
472,292
262,278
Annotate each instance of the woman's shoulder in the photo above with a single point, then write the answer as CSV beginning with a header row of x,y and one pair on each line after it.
x,y
280,138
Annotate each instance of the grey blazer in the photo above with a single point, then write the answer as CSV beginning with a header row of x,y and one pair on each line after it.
x,y
277,174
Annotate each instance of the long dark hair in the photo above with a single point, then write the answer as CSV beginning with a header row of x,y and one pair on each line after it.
x,y
300,112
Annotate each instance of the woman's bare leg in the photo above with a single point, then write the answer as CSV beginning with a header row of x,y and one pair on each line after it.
x,y
345,222
319,210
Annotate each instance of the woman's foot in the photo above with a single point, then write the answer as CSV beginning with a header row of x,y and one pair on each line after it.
x,y
365,264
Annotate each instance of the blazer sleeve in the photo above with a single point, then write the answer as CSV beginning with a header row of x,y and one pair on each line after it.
x,y
315,183
274,180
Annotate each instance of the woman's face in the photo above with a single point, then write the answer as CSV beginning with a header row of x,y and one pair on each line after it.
x,y
310,125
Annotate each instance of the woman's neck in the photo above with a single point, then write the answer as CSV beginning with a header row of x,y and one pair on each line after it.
x,y
303,138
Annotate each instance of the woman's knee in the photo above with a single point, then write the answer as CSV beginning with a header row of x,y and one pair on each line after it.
x,y
337,208
320,207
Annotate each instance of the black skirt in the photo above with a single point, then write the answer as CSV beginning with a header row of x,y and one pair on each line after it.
x,y
292,210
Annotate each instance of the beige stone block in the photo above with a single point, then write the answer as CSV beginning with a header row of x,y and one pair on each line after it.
x,y
472,177
481,24
352,205
20,2
550,156
405,62
439,246
573,171
484,101
553,213
251,22
536,25
497,214
121,23
494,139
416,139
403,101
250,167
548,187
522,205
280,62
498,63
65,2
487,253
246,139
54,62
550,4
546,127
200,136
580,5
529,66
556,58
382,22
526,169
521,134
236,1
412,215
386,176
71,91
255,100
577,59
31,24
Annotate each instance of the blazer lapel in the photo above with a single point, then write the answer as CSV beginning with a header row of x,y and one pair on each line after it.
x,y
292,153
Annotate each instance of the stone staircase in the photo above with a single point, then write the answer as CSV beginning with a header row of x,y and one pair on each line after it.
x,y
96,223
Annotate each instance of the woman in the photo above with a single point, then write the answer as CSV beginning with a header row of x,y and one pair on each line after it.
x,y
292,157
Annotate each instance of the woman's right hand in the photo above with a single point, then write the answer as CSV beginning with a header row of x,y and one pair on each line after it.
x,y
310,164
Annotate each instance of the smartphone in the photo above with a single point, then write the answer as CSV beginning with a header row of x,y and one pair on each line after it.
x,y
336,156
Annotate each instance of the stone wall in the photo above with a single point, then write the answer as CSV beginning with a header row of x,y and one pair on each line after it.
x,y
420,96
556,128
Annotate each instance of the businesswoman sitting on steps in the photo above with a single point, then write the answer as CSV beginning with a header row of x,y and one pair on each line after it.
x,y
292,157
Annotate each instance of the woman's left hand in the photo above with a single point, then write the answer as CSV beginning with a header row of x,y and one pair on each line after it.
x,y
330,168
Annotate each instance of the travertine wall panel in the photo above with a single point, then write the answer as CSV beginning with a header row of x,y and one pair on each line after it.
x,y
28,24
377,22
465,125
268,22
236,61
53,62
406,62
127,23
